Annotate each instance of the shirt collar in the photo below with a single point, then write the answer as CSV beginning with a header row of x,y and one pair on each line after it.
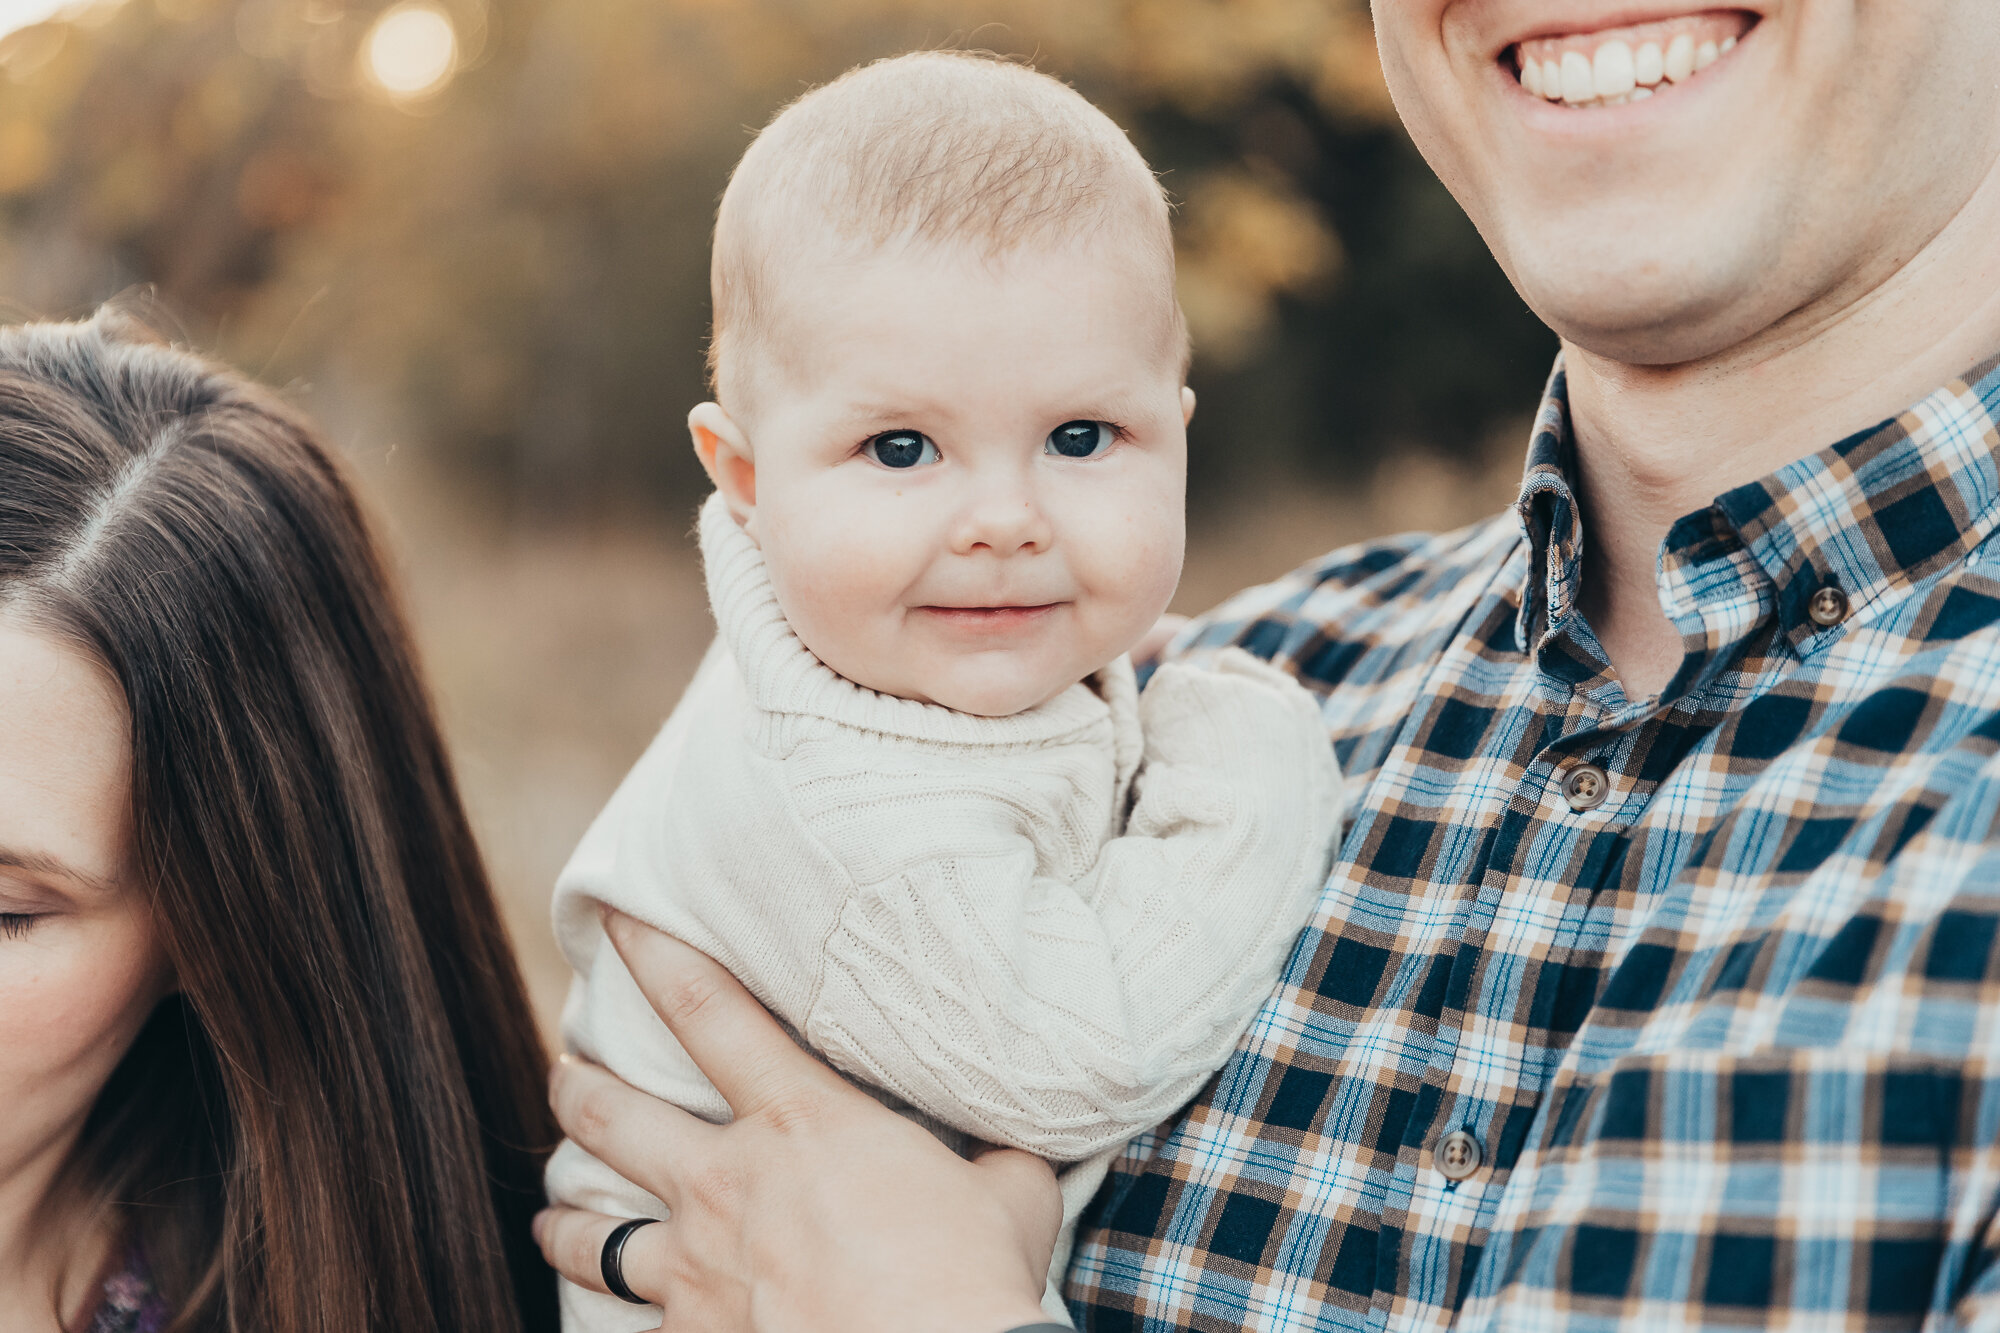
x,y
1874,515
1550,520
1883,510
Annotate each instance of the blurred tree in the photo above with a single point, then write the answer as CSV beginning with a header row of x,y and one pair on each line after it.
x,y
483,231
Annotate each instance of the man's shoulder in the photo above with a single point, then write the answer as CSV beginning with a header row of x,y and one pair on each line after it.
x,y
1366,610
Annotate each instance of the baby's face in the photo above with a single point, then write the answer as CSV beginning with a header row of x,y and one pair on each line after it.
x,y
969,479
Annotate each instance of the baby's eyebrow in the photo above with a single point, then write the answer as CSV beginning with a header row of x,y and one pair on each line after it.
x,y
885,415
870,415
1110,407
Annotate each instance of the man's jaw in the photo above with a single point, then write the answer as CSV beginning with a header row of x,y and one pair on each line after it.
x,y
1610,66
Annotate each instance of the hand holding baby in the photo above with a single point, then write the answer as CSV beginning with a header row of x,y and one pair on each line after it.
x,y
812,1176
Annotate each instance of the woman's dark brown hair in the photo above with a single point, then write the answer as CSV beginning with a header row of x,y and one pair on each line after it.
x,y
337,1124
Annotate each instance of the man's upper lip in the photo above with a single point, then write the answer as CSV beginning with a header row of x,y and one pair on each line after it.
x,y
1581,20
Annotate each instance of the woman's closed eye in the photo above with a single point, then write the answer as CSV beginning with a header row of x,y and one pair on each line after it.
x,y
13,925
1081,439
900,448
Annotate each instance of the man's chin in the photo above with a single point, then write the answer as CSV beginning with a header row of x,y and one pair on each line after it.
x,y
1645,290
1627,318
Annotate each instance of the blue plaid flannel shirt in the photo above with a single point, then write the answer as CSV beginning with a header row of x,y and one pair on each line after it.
x,y
1727,1043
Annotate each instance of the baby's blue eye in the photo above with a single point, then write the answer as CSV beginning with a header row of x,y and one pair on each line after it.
x,y
901,448
1080,439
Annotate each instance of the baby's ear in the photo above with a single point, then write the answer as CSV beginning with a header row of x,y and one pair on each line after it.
x,y
724,451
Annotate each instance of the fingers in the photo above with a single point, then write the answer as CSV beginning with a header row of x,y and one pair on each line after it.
x,y
643,1139
572,1240
1025,1184
734,1040
1021,1177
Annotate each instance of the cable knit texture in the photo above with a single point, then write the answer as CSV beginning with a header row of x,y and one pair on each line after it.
x,y
955,911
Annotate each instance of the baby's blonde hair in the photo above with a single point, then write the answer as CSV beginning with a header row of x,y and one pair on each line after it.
x,y
930,148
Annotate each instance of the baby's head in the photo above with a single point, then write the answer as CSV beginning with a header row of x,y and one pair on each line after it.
x,y
950,368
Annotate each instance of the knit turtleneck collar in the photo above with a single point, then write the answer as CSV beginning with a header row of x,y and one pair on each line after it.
x,y
782,676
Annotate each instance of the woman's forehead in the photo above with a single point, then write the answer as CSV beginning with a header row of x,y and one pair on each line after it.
x,y
65,760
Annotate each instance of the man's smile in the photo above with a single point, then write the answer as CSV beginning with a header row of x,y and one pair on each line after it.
x,y
1615,65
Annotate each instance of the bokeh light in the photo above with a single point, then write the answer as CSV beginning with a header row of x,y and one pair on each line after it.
x,y
411,51
23,13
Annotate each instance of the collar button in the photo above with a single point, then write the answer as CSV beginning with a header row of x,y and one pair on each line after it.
x,y
1828,607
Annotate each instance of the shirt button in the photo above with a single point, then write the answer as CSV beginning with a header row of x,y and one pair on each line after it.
x,y
1828,607
1585,787
1457,1155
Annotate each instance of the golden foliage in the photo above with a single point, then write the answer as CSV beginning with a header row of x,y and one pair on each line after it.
x,y
511,267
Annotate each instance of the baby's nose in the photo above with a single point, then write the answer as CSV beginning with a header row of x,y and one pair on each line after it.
x,y
1002,526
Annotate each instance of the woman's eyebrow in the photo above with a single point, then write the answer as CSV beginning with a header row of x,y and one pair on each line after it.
x,y
41,863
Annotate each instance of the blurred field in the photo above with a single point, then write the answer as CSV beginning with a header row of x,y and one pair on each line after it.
x,y
471,237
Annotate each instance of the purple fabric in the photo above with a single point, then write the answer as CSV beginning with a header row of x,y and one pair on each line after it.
x,y
129,1303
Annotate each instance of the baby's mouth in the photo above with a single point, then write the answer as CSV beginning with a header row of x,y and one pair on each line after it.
x,y
1618,65
990,617
1023,609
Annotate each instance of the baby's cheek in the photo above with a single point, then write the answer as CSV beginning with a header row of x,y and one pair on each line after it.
x,y
1144,568
837,600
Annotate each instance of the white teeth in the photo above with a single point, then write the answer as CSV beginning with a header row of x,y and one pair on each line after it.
x,y
1680,58
1576,81
1611,71
1649,66
1615,72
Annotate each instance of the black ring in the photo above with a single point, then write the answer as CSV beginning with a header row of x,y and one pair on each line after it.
x,y
614,1250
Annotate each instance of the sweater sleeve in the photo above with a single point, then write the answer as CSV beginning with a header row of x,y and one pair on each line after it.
x,y
1064,1016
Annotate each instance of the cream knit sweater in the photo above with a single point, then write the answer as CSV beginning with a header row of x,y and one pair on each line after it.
x,y
1045,930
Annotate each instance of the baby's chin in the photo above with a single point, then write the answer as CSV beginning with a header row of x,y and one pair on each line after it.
x,y
982,693
999,697
1003,699
997,676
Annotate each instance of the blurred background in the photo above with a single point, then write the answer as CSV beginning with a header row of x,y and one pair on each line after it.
x,y
470,236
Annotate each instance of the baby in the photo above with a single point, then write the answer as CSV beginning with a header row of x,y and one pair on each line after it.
x,y
914,797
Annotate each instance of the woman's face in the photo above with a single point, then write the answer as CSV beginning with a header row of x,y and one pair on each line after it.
x,y
80,967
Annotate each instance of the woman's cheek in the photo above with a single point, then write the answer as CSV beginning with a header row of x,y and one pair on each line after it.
x,y
71,1003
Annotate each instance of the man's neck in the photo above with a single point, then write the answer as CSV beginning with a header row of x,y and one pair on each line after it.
x,y
1655,443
